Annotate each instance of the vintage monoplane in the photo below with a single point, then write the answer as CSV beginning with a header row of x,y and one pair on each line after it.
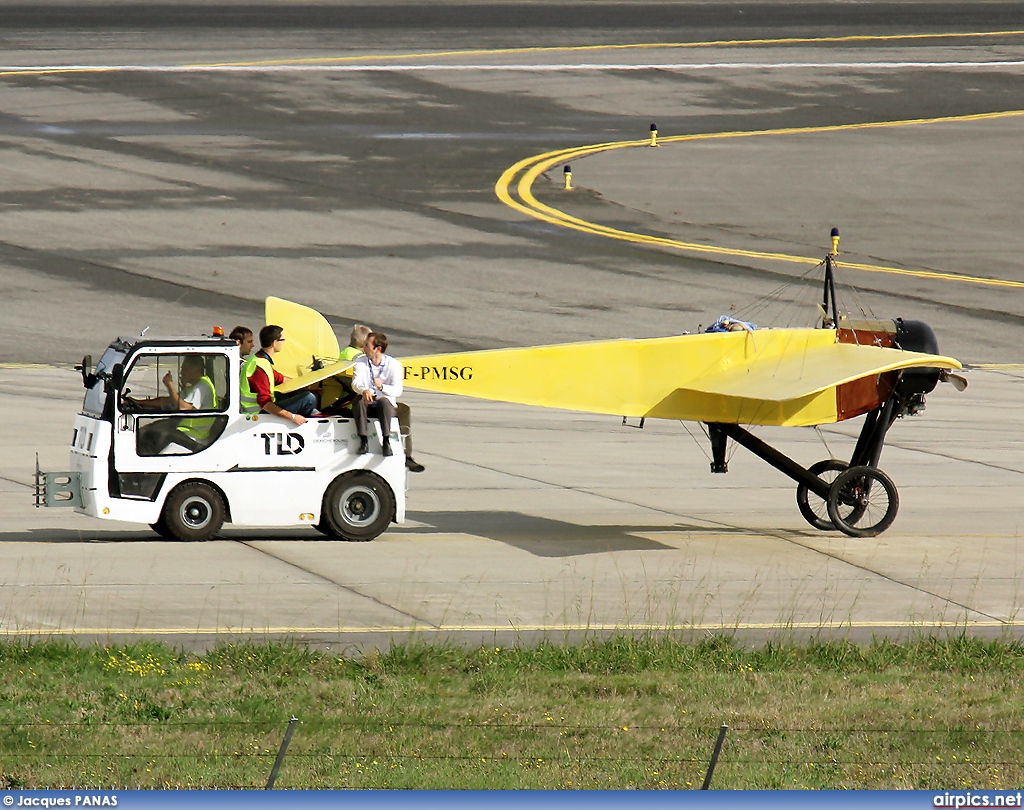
x,y
729,379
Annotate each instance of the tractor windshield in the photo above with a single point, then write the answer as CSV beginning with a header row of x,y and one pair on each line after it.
x,y
97,383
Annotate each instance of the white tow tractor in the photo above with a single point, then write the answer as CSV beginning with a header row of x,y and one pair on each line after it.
x,y
136,458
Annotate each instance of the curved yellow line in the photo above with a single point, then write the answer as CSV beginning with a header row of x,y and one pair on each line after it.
x,y
533,167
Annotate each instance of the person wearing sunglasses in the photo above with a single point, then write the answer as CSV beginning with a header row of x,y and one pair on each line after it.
x,y
259,378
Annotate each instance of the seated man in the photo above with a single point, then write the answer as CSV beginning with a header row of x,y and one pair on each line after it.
x,y
196,393
258,379
242,335
343,404
377,379
338,390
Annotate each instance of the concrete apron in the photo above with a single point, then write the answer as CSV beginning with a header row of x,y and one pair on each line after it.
x,y
531,524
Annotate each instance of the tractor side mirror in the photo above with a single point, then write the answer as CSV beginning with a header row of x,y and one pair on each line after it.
x,y
88,378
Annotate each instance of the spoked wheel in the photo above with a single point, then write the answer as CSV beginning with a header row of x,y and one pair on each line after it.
x,y
863,502
813,508
193,512
358,506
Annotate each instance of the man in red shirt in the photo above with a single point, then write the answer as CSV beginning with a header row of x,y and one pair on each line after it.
x,y
259,378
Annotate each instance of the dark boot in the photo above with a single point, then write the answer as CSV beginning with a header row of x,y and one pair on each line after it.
x,y
412,465
386,447
364,446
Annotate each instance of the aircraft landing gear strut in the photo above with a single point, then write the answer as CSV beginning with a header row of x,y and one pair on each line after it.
x,y
856,498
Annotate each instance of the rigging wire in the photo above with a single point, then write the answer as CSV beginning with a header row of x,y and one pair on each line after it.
x,y
789,304
796,302
854,294
696,441
730,447
817,430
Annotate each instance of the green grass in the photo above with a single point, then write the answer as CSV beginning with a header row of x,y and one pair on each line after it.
x,y
625,713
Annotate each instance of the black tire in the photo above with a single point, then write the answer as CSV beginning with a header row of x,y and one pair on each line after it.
x,y
863,502
358,506
160,527
813,508
193,512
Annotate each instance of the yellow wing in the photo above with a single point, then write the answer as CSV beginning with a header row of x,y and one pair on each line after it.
x,y
765,377
768,377
313,377
308,338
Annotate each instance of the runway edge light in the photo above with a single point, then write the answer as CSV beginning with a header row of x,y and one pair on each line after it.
x,y
654,134
835,241
567,171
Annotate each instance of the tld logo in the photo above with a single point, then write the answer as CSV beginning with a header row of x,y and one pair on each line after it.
x,y
282,444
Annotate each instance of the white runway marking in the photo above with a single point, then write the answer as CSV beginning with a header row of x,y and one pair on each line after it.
x,y
521,68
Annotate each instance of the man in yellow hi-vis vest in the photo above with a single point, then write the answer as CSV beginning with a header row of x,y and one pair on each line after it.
x,y
193,395
196,393
259,378
337,391
242,335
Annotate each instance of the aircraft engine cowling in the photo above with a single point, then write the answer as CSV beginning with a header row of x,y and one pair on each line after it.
x,y
917,336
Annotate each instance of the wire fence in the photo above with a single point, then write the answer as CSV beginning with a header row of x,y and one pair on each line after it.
x,y
333,751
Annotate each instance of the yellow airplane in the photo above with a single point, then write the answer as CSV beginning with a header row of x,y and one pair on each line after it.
x,y
726,379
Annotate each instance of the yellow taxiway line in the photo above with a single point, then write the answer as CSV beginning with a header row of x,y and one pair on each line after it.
x,y
531,168
516,628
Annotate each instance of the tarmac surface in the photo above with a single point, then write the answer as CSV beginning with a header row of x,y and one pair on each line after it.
x,y
170,172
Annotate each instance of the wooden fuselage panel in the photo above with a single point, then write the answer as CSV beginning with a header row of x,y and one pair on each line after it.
x,y
864,395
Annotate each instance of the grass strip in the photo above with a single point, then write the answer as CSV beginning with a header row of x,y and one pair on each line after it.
x,y
623,713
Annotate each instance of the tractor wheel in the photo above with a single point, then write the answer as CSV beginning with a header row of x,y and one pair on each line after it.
x,y
193,512
160,527
358,506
